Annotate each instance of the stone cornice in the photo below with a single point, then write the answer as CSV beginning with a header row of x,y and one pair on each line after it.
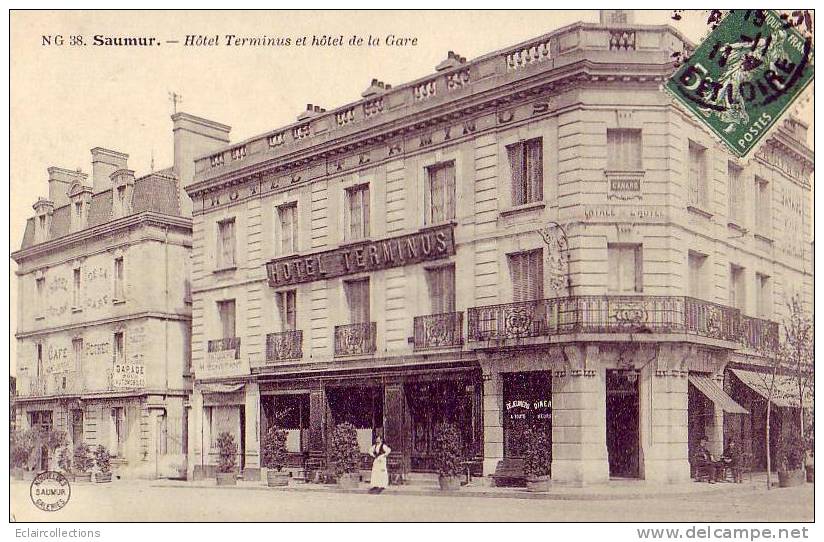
x,y
158,315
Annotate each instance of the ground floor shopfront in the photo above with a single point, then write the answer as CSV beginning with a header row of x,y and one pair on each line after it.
x,y
144,433
612,410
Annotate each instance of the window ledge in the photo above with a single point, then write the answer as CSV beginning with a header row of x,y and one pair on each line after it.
x,y
734,226
351,242
225,269
624,172
762,237
450,222
526,207
41,317
77,309
699,211
118,301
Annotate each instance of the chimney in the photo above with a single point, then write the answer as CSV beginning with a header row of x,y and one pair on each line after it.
x,y
104,163
616,16
194,137
453,60
311,111
60,181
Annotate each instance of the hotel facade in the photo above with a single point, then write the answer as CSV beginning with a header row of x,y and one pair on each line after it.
x,y
536,236
104,308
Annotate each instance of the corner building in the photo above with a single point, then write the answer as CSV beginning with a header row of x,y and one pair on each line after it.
x,y
538,235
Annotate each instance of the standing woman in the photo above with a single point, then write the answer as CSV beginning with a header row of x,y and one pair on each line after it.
x,y
380,476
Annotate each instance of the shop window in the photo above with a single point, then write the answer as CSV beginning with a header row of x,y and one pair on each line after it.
x,y
440,195
625,268
527,270
226,313
526,165
698,185
287,309
357,212
527,401
226,243
357,299
624,149
441,283
288,218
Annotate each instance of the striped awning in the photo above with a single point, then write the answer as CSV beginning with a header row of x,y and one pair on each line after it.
x,y
784,389
714,393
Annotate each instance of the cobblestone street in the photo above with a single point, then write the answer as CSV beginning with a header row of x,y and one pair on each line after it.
x,y
115,502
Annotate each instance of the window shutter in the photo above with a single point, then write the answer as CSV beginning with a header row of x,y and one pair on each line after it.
x,y
449,191
436,179
291,309
354,214
449,289
365,195
517,278
516,165
534,162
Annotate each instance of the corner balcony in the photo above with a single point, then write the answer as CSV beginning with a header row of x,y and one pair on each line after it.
x,y
355,339
619,314
284,346
443,330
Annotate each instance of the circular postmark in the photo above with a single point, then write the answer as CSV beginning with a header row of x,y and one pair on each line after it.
x,y
50,491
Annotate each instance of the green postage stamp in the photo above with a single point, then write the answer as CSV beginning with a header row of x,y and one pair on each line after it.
x,y
744,75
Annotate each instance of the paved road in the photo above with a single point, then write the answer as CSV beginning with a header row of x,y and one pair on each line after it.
x,y
139,501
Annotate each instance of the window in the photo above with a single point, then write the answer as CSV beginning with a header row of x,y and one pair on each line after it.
x,y
763,298
357,298
737,287
762,206
118,279
119,348
288,215
78,210
76,289
40,286
77,426
117,419
287,309
625,268
736,194
39,368
441,282
42,234
121,199
440,195
697,174
226,312
526,163
624,150
77,347
41,419
696,284
226,243
357,212
527,269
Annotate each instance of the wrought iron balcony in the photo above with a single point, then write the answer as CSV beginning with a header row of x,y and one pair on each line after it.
x,y
223,345
354,339
284,345
615,314
438,330
758,334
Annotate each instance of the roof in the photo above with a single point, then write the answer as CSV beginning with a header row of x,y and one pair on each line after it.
x,y
157,192
785,390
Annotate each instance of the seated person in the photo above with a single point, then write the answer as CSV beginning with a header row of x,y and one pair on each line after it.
x,y
703,460
732,459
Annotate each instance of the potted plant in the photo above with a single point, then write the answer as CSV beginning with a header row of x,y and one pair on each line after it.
x,y
448,456
82,463
345,455
273,456
226,448
537,458
64,461
791,452
21,446
103,463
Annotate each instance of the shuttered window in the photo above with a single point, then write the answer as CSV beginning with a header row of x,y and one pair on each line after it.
x,y
526,164
762,206
357,212
226,312
527,269
226,243
440,196
736,194
697,174
287,307
288,214
357,298
624,147
441,283
625,272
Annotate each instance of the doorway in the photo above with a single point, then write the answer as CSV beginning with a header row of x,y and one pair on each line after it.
x,y
623,446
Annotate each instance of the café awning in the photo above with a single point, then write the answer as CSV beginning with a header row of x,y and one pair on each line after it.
x,y
784,390
221,388
714,393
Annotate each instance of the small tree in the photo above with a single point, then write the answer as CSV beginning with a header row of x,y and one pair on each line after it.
x,y
447,452
82,459
102,460
227,448
273,449
64,459
537,452
345,452
21,445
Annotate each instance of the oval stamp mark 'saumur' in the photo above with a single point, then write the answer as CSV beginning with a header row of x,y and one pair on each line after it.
x,y
744,75
50,491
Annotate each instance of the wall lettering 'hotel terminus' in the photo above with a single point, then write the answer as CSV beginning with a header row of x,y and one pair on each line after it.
x,y
429,244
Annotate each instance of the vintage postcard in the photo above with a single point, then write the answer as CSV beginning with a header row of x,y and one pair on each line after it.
x,y
418,266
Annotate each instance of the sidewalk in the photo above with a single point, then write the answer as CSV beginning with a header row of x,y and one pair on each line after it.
x,y
613,490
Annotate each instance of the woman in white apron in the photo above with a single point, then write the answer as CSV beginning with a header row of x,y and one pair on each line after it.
x,y
380,476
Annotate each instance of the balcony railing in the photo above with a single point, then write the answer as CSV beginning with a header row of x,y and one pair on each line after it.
x,y
354,339
438,330
284,345
617,314
758,334
223,345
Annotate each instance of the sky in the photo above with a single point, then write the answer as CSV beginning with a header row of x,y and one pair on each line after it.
x,y
66,99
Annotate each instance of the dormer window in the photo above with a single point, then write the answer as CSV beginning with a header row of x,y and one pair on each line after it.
x,y
122,190
78,209
80,197
43,209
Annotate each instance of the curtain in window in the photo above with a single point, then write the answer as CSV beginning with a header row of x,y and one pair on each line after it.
x,y
358,215
534,170
441,282
441,195
357,297
697,170
736,194
516,166
288,228
226,310
288,311
226,248
624,147
624,269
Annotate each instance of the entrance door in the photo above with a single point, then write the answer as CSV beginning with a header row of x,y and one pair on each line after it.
x,y
527,403
622,423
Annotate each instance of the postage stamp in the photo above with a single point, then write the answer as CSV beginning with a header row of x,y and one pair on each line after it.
x,y
50,491
744,75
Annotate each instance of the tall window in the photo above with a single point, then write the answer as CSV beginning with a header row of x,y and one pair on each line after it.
x,y
440,196
40,286
357,298
763,294
119,347
737,287
527,269
762,206
696,284
625,268
697,175
288,217
78,210
226,243
357,212
226,313
441,282
526,163
77,347
287,308
118,279
624,146
39,368
117,418
76,289
736,194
